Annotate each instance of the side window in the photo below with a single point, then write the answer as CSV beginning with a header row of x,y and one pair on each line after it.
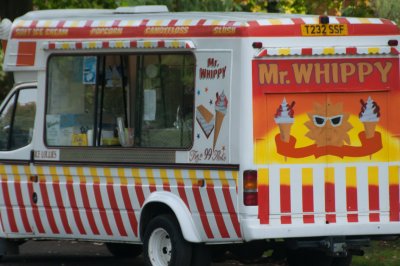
x,y
70,115
17,120
121,100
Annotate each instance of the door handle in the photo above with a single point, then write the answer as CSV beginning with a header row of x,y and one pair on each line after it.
x,y
34,197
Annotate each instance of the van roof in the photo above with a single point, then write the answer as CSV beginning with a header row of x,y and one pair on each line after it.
x,y
80,23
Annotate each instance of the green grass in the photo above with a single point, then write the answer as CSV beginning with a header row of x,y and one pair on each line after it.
x,y
380,253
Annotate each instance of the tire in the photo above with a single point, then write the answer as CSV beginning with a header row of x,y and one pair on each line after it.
x,y
201,255
124,250
164,244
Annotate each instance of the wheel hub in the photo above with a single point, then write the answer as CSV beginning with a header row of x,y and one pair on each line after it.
x,y
160,247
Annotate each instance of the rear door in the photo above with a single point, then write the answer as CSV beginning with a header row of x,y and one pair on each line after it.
x,y
322,129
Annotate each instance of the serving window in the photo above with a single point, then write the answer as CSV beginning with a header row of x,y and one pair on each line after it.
x,y
120,100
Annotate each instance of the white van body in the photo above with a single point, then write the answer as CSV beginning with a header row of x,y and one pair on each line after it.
x,y
243,126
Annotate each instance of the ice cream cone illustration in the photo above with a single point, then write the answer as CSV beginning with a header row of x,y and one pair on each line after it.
x,y
284,119
221,105
369,115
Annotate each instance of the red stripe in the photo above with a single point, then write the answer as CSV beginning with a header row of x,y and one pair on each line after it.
x,y
263,204
172,22
88,23
202,213
10,211
35,211
201,22
217,212
52,46
352,204
133,44
394,198
330,202
88,209
308,203
75,208
161,44
231,209
129,209
394,51
285,204
263,53
144,22
343,20
115,209
152,188
22,208
373,192
116,23
102,210
33,24
386,21
61,208
351,50
298,21
139,193
306,51
48,208
166,186
182,193
60,24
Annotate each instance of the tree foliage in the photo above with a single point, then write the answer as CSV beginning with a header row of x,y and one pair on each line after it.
x,y
60,4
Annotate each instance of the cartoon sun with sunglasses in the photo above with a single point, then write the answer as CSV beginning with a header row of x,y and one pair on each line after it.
x,y
328,127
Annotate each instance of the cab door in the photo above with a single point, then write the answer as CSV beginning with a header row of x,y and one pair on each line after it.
x,y
17,116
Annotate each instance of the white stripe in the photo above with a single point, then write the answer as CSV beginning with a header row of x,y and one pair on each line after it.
x,y
71,23
310,20
130,23
384,193
275,195
340,194
362,193
296,193
319,193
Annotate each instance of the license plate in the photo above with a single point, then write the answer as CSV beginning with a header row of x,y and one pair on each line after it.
x,y
324,29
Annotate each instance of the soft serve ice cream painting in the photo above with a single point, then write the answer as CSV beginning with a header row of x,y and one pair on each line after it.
x,y
369,115
284,119
221,105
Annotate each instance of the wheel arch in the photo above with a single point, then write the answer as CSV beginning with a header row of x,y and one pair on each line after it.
x,y
162,202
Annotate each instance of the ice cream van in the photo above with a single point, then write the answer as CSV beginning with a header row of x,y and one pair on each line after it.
x,y
189,136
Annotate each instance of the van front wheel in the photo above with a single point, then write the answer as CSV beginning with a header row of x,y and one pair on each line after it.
x,y
164,244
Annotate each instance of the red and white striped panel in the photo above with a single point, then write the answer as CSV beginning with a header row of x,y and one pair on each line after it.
x,y
282,51
119,44
320,194
315,20
105,203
